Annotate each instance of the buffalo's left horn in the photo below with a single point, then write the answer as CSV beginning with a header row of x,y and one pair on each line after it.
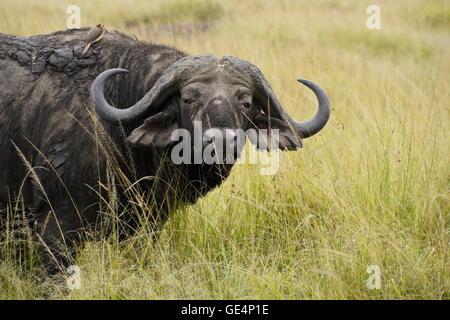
x,y
270,103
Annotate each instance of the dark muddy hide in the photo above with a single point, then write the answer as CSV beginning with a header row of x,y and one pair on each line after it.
x,y
79,133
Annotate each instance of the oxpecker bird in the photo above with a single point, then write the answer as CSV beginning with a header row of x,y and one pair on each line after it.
x,y
94,35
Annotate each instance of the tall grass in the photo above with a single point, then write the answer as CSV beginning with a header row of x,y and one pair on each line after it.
x,y
371,189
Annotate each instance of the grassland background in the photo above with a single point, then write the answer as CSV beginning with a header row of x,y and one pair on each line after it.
x,y
371,189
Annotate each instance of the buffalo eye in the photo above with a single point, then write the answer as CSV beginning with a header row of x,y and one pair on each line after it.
x,y
247,105
244,98
188,101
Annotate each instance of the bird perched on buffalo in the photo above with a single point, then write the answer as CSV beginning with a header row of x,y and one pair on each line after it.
x,y
94,35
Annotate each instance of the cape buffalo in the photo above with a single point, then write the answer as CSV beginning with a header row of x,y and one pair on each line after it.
x,y
62,159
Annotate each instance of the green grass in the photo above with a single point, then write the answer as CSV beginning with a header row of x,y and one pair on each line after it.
x,y
371,189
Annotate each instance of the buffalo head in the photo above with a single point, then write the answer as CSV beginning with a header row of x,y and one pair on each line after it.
x,y
221,95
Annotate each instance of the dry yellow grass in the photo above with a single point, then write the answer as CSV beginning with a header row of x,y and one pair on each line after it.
x,y
371,189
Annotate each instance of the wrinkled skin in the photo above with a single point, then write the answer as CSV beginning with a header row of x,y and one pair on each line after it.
x,y
48,92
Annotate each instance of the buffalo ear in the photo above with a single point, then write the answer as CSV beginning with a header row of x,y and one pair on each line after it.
x,y
283,135
155,131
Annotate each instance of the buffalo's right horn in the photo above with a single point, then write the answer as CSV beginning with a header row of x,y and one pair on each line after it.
x,y
163,88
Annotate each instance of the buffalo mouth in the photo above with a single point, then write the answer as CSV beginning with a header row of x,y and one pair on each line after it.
x,y
223,144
